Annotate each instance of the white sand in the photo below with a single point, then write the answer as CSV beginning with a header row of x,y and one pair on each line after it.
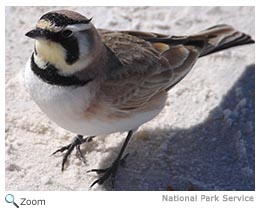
x,y
202,140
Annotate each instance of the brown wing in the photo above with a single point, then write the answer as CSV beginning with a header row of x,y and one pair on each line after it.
x,y
213,39
153,63
149,68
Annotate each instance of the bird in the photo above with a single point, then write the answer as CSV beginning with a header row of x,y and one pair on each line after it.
x,y
93,81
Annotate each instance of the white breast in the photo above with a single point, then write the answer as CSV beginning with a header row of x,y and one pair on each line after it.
x,y
66,106
63,105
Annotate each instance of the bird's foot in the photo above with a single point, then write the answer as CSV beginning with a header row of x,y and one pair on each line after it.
x,y
76,143
107,172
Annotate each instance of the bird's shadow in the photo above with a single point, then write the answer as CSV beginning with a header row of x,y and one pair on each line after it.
x,y
217,154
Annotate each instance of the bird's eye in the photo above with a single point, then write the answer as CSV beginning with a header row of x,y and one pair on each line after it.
x,y
66,33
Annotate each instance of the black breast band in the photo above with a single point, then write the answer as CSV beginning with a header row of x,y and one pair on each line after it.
x,y
51,76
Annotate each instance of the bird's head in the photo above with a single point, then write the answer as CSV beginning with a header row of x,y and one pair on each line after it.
x,y
65,39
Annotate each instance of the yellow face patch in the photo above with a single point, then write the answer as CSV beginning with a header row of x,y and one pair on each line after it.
x,y
51,52
55,54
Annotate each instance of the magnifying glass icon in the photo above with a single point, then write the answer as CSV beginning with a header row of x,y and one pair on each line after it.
x,y
11,199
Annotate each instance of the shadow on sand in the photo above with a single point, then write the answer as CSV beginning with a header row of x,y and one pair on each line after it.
x,y
217,154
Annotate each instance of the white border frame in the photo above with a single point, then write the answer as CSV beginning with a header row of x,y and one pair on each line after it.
x,y
138,200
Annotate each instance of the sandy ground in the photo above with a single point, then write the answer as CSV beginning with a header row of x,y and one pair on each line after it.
x,y
202,140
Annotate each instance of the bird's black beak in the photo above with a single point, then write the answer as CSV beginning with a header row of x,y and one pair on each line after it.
x,y
36,33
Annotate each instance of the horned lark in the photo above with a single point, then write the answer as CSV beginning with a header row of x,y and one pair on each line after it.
x,y
95,82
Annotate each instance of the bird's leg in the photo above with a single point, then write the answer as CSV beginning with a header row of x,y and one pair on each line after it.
x,y
77,141
111,171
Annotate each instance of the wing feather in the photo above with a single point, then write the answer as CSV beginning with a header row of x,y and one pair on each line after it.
x,y
153,63
149,68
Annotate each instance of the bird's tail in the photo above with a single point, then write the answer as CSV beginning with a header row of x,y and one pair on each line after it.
x,y
221,37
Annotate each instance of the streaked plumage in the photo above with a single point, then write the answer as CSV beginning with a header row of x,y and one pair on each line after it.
x,y
94,81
